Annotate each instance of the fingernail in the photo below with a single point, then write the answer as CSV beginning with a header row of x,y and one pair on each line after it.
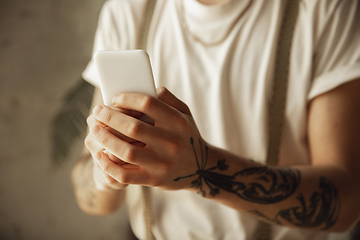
x,y
159,89
97,110
95,130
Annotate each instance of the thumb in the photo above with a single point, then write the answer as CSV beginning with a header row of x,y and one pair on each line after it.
x,y
167,97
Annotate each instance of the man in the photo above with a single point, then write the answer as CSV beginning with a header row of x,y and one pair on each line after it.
x,y
218,58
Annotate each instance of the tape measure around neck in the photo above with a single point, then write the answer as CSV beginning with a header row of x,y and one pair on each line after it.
x,y
277,104
146,193
278,101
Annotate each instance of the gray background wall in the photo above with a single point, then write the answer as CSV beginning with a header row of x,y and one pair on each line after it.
x,y
44,46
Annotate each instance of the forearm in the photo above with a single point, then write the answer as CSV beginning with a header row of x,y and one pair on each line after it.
x,y
312,197
91,199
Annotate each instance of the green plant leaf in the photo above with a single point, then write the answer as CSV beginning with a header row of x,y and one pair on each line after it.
x,y
69,125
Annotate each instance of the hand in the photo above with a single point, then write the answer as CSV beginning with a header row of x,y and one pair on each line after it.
x,y
170,144
102,180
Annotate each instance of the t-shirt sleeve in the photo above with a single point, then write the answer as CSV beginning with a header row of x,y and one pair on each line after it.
x,y
106,38
337,54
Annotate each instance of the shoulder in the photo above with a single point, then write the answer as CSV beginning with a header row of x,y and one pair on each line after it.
x,y
323,12
325,7
327,24
334,36
331,23
119,23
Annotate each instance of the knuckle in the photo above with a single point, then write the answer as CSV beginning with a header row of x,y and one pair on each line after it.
x,y
106,167
183,123
186,108
124,178
107,179
164,167
110,180
122,99
174,145
155,182
147,102
88,120
135,128
87,141
108,116
104,140
130,154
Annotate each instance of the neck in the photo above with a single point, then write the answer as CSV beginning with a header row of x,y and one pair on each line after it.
x,y
211,2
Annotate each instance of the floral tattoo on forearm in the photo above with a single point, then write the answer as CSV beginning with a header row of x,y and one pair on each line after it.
x,y
320,211
257,184
268,185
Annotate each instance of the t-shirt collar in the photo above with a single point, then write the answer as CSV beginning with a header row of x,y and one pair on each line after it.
x,y
201,12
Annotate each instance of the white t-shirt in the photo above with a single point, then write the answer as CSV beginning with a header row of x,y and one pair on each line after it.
x,y
228,87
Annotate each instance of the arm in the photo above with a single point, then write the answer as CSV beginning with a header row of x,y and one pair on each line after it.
x,y
96,192
92,199
321,196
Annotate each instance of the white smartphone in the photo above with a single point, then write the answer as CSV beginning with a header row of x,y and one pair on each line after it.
x,y
124,71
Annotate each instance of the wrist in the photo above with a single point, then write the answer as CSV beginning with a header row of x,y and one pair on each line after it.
x,y
205,156
216,174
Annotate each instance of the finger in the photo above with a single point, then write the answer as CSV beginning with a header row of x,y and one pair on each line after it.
x,y
151,106
166,96
121,149
119,173
104,180
113,158
92,121
112,182
131,113
126,125
118,161
92,145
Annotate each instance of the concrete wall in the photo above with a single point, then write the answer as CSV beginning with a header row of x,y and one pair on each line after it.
x,y
44,45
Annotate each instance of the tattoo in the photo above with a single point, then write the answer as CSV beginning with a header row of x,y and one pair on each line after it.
x,y
263,184
266,185
87,184
321,210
